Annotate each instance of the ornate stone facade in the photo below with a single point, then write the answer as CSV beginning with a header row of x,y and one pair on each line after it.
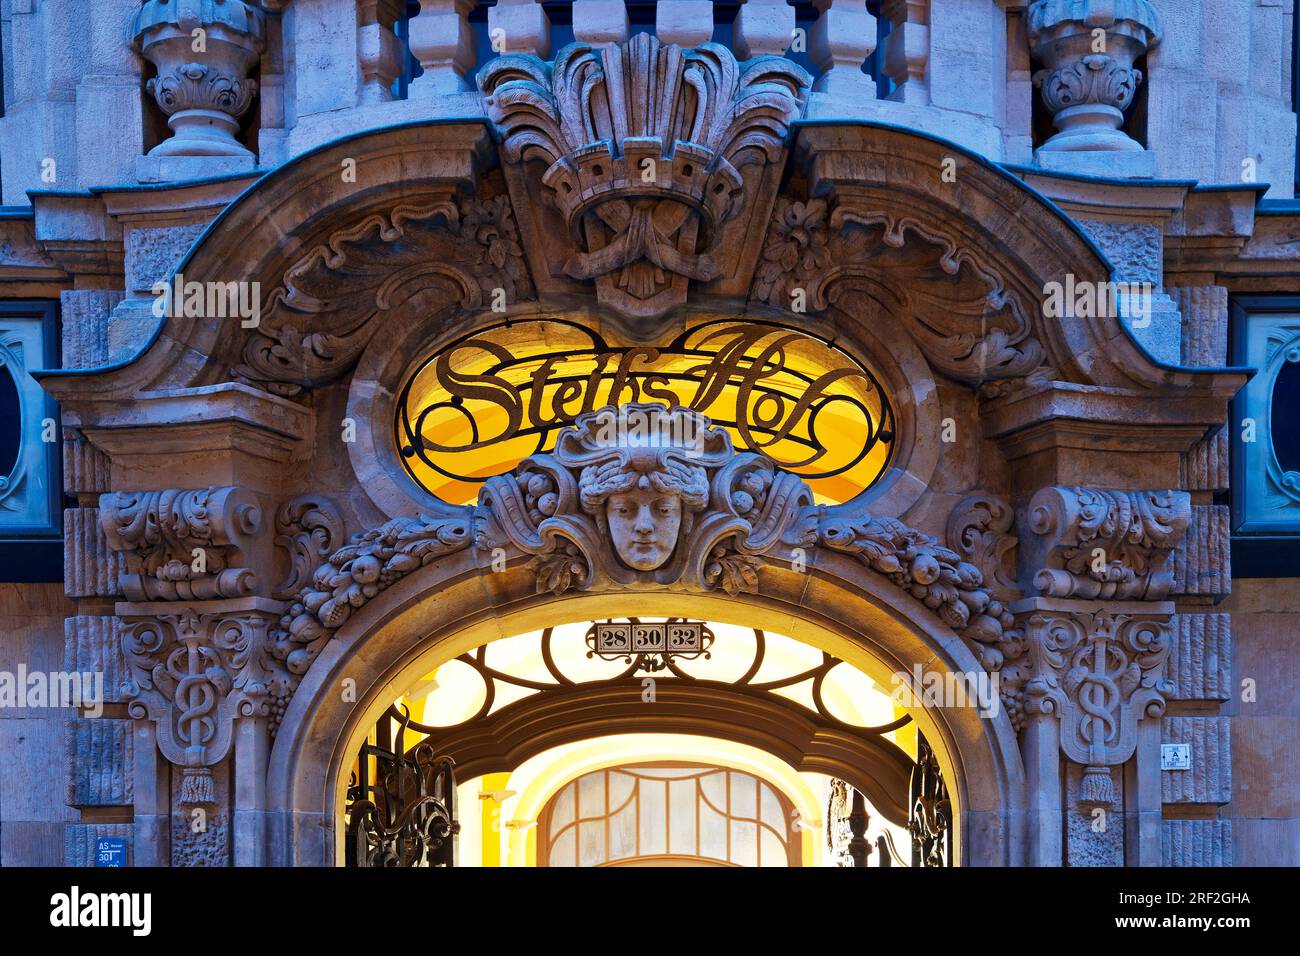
x,y
244,549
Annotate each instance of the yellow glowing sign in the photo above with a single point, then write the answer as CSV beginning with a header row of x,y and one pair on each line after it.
x,y
492,398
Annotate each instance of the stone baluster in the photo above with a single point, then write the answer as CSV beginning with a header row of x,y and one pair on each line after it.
x,y
204,52
379,51
764,27
841,39
684,22
600,21
440,39
519,26
1087,49
907,49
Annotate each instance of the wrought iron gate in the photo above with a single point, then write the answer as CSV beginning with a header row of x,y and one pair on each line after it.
x,y
930,818
401,805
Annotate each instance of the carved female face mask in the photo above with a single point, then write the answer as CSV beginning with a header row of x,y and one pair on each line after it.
x,y
644,524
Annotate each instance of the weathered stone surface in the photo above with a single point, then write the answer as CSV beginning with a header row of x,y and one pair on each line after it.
x,y
1091,840
85,468
92,645
1196,843
152,253
1135,249
99,764
85,326
1205,323
1210,778
1200,660
1207,463
1203,560
90,567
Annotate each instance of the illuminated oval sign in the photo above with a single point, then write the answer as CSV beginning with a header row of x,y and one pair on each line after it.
x,y
492,398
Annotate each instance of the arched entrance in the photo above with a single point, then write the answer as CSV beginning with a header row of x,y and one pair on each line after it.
x,y
443,611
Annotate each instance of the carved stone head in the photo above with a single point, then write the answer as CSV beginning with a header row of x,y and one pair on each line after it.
x,y
644,493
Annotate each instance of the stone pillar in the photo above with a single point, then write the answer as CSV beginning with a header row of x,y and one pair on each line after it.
x,y
687,23
520,26
907,50
1092,675
440,39
379,51
110,111
763,26
1088,79
600,21
204,55
841,40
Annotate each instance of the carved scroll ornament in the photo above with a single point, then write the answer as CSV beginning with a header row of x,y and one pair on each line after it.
x,y
643,143
192,672
1098,543
1100,672
954,302
182,545
331,301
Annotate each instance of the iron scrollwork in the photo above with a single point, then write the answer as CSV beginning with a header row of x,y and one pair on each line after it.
x,y
407,816
930,821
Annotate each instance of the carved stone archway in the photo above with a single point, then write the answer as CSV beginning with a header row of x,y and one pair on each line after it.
x,y
228,439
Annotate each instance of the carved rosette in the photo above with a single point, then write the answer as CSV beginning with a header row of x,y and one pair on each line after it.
x,y
204,51
193,671
1098,543
952,300
417,255
644,146
1100,671
182,545
1087,48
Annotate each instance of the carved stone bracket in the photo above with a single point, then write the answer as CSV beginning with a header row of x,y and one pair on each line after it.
x,y
326,309
979,529
194,669
183,545
1100,667
1098,543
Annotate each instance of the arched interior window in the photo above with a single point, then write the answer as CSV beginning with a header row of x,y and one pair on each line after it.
x,y
669,815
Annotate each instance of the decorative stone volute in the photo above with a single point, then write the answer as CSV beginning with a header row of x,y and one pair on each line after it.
x,y
1087,48
644,145
204,51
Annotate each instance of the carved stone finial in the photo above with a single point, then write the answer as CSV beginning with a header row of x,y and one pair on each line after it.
x,y
643,144
204,51
1088,81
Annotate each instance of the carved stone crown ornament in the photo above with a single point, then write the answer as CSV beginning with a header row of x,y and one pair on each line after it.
x,y
1088,48
204,51
644,146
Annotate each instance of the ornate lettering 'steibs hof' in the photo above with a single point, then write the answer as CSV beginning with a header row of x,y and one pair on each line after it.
x,y
490,399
